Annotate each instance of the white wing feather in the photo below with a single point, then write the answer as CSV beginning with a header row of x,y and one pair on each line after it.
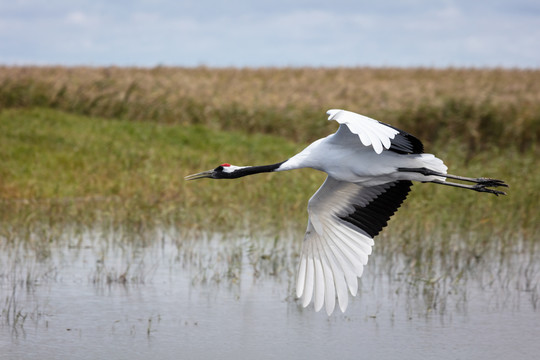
x,y
343,218
333,253
370,131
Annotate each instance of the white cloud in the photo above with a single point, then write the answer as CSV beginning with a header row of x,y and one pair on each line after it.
x,y
81,19
279,32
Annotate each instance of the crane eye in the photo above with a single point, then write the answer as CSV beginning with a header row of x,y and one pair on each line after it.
x,y
222,167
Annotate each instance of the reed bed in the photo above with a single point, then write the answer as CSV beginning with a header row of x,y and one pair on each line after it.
x,y
481,107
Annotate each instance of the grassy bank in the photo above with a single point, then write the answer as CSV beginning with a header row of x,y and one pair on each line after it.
x,y
61,168
70,168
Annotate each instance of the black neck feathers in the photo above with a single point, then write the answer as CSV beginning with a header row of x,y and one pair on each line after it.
x,y
250,170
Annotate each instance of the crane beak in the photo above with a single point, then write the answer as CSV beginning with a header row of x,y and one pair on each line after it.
x,y
201,175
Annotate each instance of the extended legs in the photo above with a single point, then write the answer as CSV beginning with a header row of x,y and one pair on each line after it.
x,y
480,184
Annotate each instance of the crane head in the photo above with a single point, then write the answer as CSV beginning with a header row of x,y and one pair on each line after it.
x,y
223,171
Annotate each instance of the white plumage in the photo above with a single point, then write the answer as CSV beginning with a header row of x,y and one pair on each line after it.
x,y
370,166
370,131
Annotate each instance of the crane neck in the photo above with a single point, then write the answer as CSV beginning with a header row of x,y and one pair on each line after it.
x,y
251,170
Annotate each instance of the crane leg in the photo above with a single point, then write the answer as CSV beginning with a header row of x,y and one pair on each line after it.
x,y
476,187
480,184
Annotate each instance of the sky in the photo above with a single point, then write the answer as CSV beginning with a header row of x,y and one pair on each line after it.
x,y
241,33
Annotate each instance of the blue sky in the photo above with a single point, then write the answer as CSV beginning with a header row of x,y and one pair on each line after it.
x,y
271,33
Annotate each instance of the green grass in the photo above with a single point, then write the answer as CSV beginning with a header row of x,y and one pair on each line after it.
x,y
61,168
73,168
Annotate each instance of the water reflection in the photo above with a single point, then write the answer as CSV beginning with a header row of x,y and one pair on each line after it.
x,y
171,295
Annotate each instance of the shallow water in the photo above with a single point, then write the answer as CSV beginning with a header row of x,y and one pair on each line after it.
x,y
103,296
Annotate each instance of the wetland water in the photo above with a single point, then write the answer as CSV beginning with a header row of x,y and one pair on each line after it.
x,y
163,295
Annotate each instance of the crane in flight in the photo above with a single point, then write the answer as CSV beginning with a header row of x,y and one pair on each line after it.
x,y
370,167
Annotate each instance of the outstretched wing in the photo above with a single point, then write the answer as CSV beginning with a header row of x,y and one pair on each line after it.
x,y
375,133
343,219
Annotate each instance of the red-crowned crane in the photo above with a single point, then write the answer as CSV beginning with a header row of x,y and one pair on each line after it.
x,y
370,167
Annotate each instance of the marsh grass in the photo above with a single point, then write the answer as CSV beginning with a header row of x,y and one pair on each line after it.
x,y
61,168
89,149
433,278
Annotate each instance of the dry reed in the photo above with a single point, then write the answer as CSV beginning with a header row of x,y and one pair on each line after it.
x,y
483,107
